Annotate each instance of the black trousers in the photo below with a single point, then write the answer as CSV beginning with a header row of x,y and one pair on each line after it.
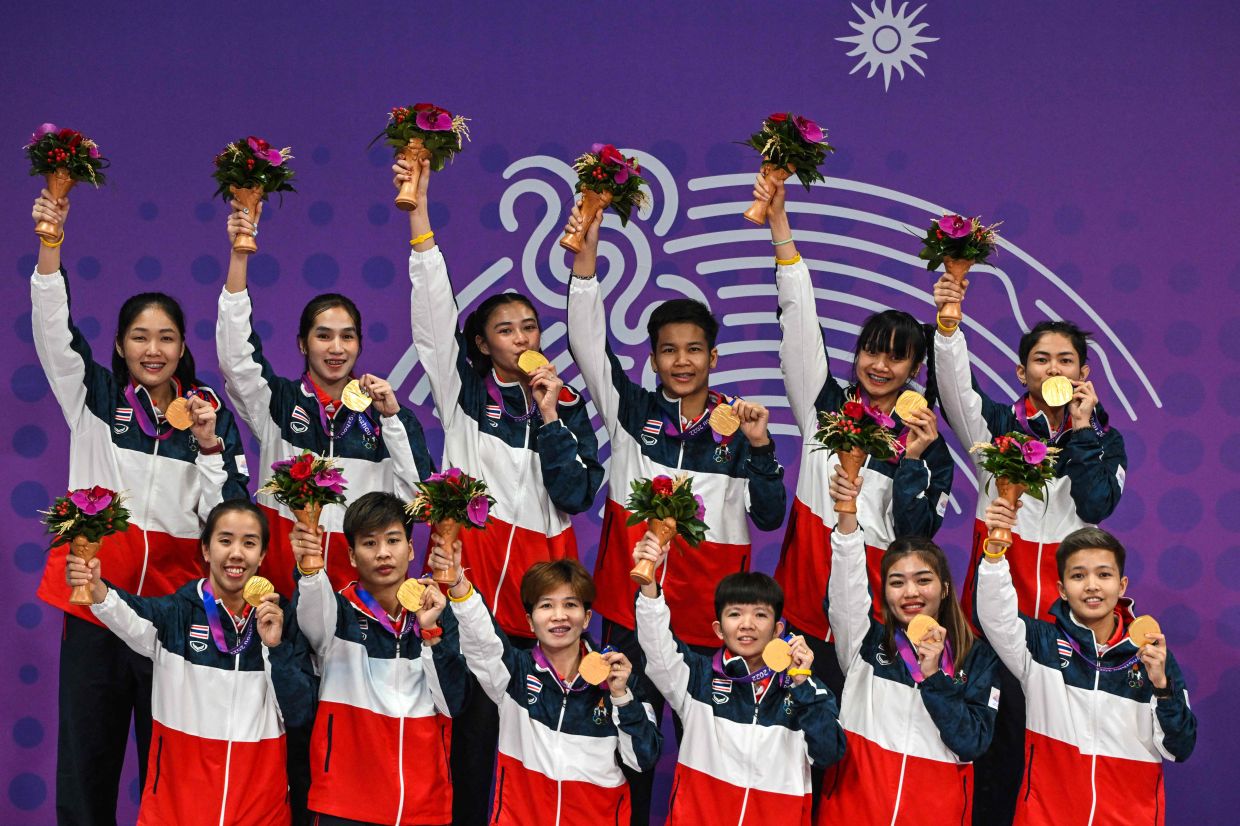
x,y
103,685
475,738
998,773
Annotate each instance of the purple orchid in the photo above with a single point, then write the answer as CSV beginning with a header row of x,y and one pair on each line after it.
x,y
272,156
93,151
91,502
43,130
330,479
477,510
809,130
283,464
879,416
701,506
453,473
955,226
1033,451
434,120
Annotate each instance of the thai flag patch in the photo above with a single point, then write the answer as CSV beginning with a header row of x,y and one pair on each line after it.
x,y
533,684
299,414
124,414
653,426
199,632
1065,651
722,686
493,411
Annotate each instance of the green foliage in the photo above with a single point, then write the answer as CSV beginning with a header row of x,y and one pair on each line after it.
x,y
66,148
975,245
856,425
1019,458
251,162
663,497
785,141
604,169
90,512
452,495
305,480
442,133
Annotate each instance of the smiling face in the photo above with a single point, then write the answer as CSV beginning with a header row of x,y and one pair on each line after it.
x,y
152,347
913,587
233,553
1092,584
331,347
510,330
746,629
683,359
381,556
883,376
559,618
1052,355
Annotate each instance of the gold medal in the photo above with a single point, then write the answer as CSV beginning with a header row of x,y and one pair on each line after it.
x,y
256,588
530,361
1142,625
354,397
919,626
723,420
1057,391
411,594
178,414
777,655
909,402
594,669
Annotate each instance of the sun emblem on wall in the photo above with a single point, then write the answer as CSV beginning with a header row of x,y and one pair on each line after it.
x,y
887,40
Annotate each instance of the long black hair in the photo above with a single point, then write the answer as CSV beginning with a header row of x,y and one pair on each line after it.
x,y
902,336
322,303
476,327
130,310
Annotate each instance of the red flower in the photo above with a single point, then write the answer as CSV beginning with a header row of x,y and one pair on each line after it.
x,y
302,468
662,485
422,107
778,117
853,410
258,144
610,154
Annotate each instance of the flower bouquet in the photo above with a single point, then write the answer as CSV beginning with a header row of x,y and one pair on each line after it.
x,y
422,131
449,501
668,507
790,145
956,243
249,169
304,484
82,518
63,157
1019,464
853,433
605,178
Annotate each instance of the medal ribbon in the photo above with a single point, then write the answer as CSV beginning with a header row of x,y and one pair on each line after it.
x,y
713,399
362,419
217,629
409,622
144,421
1021,408
904,645
1098,666
493,392
578,684
752,677
901,439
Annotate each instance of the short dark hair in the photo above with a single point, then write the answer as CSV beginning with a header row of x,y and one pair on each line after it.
x,y
235,506
476,326
322,303
682,311
748,588
133,307
542,578
374,511
1079,338
1085,539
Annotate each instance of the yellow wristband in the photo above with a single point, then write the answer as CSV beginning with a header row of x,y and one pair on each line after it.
x,y
943,328
306,573
986,551
50,245
426,236
799,672
787,262
468,594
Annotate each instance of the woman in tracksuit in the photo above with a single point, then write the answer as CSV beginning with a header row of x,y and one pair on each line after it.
x,y
119,439
917,711
528,436
379,449
903,496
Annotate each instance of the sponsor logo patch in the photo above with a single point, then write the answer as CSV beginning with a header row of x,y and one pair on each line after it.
x,y
198,646
118,429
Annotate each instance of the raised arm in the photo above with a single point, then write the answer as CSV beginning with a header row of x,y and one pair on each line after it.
x,y
848,589
447,674
317,604
962,403
667,665
136,620
1005,629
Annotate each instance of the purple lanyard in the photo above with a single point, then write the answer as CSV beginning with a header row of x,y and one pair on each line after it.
x,y
540,659
148,427
749,679
905,646
1097,666
217,629
672,429
493,392
409,621
362,420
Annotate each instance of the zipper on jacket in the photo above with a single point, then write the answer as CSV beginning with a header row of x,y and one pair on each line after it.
x,y
908,729
619,806
512,531
228,749
1029,772
146,519
757,706
499,795
400,748
559,784
1093,758
159,756
327,759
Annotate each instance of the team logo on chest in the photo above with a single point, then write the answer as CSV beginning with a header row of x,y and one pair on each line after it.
x,y
494,414
1065,652
721,690
123,416
650,433
534,687
299,420
197,636
600,713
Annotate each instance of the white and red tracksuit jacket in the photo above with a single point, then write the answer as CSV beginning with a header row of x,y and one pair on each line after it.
x,y
383,728
217,737
735,482
170,486
538,472
1095,740
747,748
1089,478
289,417
560,747
910,745
904,497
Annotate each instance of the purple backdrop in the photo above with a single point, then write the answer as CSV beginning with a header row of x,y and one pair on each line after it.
x,y
1101,134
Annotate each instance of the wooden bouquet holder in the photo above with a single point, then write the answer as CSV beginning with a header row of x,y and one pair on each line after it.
x,y
592,203
309,516
447,530
249,197
998,540
665,531
850,462
413,154
770,172
956,268
85,550
58,184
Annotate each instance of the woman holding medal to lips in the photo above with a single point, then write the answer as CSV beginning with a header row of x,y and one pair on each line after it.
x,y
378,445
148,428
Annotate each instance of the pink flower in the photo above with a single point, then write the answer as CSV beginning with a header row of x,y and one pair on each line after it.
x,y
477,509
330,479
879,416
955,226
258,145
809,130
1033,451
272,156
93,151
433,119
452,473
41,131
91,502
283,464
701,506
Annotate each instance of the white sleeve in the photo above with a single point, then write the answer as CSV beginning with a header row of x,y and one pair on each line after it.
x,y
211,486
802,353
587,339
665,665
139,633
65,367
404,468
435,318
317,610
241,365
848,609
962,405
1000,619
482,647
